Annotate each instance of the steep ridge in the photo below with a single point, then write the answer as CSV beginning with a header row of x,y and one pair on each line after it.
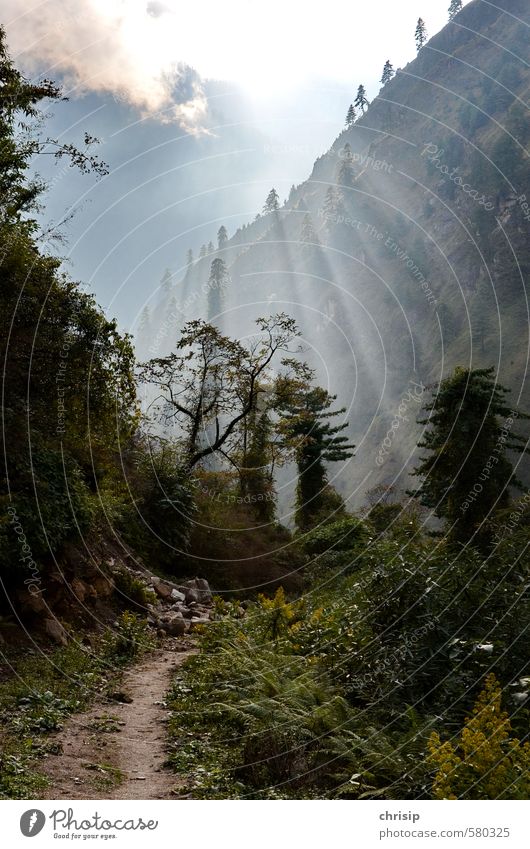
x,y
419,259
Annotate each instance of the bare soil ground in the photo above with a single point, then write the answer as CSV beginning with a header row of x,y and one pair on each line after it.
x,y
116,750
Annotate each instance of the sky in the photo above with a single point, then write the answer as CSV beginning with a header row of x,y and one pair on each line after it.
x,y
132,48
185,154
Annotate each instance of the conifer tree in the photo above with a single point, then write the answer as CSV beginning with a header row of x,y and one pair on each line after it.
x,y
307,233
211,248
203,251
467,473
145,321
272,203
350,116
222,237
455,7
305,426
216,287
388,72
332,208
421,34
361,101
165,284
345,175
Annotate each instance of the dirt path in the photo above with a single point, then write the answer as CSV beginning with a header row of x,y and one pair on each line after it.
x,y
116,750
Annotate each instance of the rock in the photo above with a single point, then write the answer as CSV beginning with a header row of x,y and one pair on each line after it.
x,y
103,586
79,589
55,630
192,596
163,590
177,595
175,626
33,601
195,621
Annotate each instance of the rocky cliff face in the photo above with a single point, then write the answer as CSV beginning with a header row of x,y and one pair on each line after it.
x,y
405,252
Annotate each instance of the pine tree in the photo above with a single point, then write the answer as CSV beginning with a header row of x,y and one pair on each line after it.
x,y
256,475
455,7
306,428
467,474
216,287
189,258
420,34
388,72
332,208
272,204
145,321
222,237
165,284
307,233
350,116
203,251
361,101
346,172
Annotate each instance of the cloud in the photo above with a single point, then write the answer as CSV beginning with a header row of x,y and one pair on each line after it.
x,y
110,46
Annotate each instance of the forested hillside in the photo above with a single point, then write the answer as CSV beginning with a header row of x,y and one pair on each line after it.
x,y
405,253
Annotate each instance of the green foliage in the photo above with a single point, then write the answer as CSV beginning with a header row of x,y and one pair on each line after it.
x,y
136,595
487,762
305,428
344,535
158,519
467,473
129,638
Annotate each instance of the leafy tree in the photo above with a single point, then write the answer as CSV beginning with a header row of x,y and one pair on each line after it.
x,y
455,7
68,391
208,385
272,203
467,475
350,116
305,428
388,72
222,237
21,142
217,283
361,101
421,34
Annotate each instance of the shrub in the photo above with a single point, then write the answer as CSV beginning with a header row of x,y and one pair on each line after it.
x,y
487,762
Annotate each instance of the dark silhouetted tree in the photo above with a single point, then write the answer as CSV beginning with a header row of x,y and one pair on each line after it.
x,y
467,473
350,116
388,72
361,101
305,428
207,387
222,237
455,7
272,203
421,34
217,284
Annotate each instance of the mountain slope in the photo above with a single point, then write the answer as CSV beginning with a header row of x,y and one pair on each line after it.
x,y
420,261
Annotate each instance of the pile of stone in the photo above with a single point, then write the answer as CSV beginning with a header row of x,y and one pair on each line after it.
x,y
180,607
